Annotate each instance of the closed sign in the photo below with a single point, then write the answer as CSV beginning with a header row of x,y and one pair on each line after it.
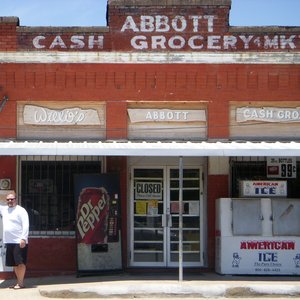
x,y
148,190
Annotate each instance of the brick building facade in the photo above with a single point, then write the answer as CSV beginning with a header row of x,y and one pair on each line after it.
x,y
169,74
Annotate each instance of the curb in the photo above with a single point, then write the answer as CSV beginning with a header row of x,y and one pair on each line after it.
x,y
174,290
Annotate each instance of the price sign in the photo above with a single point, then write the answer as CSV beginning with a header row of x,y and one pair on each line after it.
x,y
281,167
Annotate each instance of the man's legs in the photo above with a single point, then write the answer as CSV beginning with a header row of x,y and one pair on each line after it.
x,y
20,271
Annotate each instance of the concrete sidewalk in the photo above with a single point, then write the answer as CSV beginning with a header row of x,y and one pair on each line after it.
x,y
206,285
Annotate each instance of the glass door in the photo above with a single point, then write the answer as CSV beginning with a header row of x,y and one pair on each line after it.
x,y
148,233
155,217
192,210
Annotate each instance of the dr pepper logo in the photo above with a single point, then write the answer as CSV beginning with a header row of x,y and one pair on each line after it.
x,y
92,216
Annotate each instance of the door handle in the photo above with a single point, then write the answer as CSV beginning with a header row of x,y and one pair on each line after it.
x,y
169,220
164,220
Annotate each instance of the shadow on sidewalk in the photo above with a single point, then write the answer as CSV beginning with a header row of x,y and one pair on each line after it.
x,y
32,282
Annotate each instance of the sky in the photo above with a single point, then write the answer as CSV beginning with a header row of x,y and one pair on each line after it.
x,y
93,12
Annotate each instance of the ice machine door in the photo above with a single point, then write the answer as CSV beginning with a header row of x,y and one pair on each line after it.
x,y
286,217
246,216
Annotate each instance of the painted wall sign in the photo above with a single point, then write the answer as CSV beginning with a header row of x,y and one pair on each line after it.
x,y
263,188
56,42
166,115
195,32
281,167
36,115
268,114
182,41
190,32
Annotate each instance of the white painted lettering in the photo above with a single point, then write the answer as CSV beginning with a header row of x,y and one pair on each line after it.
x,y
271,43
67,116
196,39
147,24
158,42
58,42
268,114
280,114
230,42
36,42
246,113
257,42
96,42
77,41
185,115
246,40
155,115
179,23
213,42
139,42
195,20
148,116
167,115
176,42
162,24
287,42
129,24
210,22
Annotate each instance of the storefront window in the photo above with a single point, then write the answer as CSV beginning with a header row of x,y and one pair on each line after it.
x,y
47,193
257,170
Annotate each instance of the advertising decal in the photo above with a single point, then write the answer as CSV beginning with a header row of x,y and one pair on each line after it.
x,y
97,208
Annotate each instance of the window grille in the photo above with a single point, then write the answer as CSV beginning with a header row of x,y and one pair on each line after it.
x,y
257,170
47,193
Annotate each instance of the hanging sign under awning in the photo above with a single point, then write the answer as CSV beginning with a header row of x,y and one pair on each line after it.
x,y
263,188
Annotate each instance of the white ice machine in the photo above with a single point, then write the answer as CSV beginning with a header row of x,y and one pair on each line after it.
x,y
258,236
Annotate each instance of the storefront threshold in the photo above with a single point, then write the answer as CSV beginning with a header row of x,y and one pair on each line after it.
x,y
166,271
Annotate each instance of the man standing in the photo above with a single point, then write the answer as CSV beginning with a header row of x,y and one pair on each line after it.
x,y
15,237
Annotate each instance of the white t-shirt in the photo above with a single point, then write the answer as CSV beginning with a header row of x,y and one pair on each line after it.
x,y
15,224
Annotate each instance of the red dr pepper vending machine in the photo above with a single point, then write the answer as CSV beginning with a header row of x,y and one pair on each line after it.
x,y
97,199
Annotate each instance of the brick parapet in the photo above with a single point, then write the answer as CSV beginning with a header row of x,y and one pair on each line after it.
x,y
8,34
169,2
9,20
154,25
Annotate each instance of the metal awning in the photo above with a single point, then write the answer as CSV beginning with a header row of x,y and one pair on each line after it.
x,y
121,148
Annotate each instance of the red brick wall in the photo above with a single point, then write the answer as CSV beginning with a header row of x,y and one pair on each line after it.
x,y
217,187
216,85
48,256
8,33
162,17
8,169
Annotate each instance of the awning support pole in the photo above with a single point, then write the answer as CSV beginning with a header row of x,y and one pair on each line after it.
x,y
180,219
